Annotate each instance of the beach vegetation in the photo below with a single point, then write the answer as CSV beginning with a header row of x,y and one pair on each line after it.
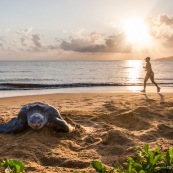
x,y
13,166
143,161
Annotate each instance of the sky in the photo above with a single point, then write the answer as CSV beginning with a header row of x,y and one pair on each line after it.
x,y
85,29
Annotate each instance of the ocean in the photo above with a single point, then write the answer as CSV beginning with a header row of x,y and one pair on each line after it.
x,y
48,75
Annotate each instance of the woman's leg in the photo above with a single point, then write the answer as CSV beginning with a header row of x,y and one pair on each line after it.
x,y
152,80
145,81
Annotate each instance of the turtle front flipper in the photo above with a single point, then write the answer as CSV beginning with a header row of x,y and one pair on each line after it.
x,y
60,125
13,126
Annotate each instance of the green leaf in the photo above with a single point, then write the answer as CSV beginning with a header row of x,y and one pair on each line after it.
x,y
15,165
130,162
103,170
17,162
17,168
98,166
146,148
137,166
151,155
129,168
142,171
169,156
157,150
156,158
138,148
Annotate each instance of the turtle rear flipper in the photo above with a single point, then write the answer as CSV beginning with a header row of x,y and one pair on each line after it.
x,y
13,126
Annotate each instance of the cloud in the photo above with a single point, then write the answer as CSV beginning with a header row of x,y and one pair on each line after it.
x,y
52,47
2,41
161,30
1,46
29,41
33,42
24,35
37,40
96,42
80,45
165,19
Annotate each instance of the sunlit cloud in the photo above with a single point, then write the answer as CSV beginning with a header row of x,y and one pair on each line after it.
x,y
166,19
27,41
96,42
161,29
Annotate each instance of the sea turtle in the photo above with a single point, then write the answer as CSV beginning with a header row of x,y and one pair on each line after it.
x,y
36,115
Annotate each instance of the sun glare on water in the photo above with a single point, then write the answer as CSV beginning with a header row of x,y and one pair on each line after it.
x,y
134,73
137,32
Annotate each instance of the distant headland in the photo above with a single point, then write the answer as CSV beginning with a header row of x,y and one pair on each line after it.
x,y
165,58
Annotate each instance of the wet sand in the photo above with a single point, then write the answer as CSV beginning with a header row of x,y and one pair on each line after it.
x,y
108,126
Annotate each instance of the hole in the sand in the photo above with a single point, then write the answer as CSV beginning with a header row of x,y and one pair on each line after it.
x,y
63,162
52,161
30,169
111,150
76,164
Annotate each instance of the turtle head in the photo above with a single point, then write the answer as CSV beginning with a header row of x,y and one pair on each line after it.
x,y
36,121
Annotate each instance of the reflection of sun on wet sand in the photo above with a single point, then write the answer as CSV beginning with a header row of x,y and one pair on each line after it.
x,y
107,128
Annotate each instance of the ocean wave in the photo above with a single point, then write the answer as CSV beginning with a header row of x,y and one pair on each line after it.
x,y
33,86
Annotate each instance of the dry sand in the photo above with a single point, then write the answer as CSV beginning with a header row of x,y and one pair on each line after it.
x,y
108,126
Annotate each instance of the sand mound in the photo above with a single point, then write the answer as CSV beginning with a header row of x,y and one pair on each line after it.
x,y
131,121
116,137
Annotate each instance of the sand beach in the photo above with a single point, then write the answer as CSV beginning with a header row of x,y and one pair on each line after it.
x,y
108,126
92,61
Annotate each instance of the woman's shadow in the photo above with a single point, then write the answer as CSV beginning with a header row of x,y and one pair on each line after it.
x,y
162,100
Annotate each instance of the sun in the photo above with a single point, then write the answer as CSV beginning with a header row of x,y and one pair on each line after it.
x,y
137,32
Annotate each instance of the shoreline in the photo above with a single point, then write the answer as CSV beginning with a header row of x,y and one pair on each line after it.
x,y
117,89
108,126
